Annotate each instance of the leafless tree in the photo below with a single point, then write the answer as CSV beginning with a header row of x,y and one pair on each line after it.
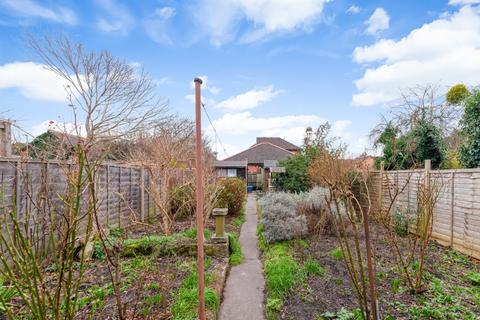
x,y
420,103
167,152
109,96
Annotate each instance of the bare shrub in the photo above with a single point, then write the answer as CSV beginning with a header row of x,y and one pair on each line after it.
x,y
279,218
44,233
411,256
338,175
167,152
314,206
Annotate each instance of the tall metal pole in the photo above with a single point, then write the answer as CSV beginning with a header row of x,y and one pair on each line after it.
x,y
199,198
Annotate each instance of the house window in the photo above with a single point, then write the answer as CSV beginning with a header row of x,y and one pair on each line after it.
x,y
232,173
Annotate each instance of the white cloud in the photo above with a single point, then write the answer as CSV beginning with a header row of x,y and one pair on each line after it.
x,y
206,85
33,81
67,127
119,21
250,99
378,21
339,129
230,149
219,19
291,126
233,126
353,9
29,8
446,51
462,2
157,24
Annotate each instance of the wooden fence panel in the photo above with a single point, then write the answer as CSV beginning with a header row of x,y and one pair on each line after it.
x,y
35,189
456,219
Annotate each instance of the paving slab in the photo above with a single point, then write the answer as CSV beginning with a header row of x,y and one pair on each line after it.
x,y
243,294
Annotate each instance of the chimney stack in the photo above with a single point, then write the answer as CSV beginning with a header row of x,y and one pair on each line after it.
x,y
5,138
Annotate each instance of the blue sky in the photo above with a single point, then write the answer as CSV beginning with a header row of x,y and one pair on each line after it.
x,y
271,67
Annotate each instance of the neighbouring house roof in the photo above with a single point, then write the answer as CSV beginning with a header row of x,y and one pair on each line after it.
x,y
231,164
68,138
284,144
258,153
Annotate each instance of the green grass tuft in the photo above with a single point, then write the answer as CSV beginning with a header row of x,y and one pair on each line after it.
x,y
313,267
281,273
186,303
236,255
186,298
337,253
192,233
474,278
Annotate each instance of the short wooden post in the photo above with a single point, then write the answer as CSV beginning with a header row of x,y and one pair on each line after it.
x,y
142,195
452,207
18,195
119,208
428,167
219,215
107,183
380,187
130,183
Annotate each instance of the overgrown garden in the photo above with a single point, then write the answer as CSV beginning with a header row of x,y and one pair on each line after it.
x,y
61,258
342,254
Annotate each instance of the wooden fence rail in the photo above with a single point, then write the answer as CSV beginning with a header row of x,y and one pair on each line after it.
x,y
456,218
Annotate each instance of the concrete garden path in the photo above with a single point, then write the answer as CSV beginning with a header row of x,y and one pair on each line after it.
x,y
243,294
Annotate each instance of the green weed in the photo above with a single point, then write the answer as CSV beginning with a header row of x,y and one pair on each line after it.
x,y
474,278
236,255
7,293
186,303
186,298
337,253
313,267
396,283
192,233
156,299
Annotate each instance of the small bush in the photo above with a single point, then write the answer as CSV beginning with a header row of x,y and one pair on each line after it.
x,y
232,196
182,201
279,218
314,206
